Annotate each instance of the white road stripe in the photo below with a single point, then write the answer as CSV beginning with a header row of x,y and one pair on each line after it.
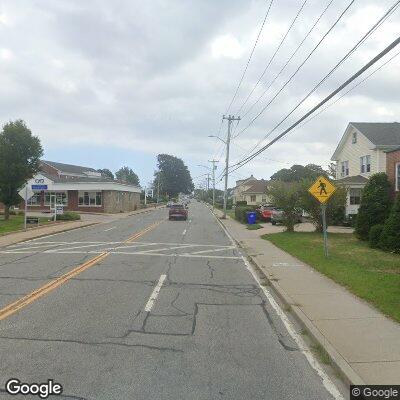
x,y
326,381
154,294
212,250
109,229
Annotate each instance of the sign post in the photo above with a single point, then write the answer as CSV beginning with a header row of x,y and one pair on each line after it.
x,y
322,189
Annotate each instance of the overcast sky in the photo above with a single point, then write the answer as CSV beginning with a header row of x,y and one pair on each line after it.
x,y
112,83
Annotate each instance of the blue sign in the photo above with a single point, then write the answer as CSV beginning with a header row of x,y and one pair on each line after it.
x,y
39,187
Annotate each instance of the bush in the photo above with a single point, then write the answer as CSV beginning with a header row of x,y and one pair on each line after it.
x,y
241,213
375,204
241,203
68,216
390,237
375,235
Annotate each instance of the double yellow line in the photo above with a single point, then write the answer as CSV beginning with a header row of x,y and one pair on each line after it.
x,y
48,287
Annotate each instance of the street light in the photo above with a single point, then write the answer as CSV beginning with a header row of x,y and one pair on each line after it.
x,y
217,137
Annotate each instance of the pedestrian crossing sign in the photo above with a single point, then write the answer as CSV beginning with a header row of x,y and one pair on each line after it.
x,y
322,189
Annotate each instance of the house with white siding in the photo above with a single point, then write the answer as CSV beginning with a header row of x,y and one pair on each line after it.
x,y
361,153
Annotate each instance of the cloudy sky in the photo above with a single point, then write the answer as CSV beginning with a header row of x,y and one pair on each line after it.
x,y
112,83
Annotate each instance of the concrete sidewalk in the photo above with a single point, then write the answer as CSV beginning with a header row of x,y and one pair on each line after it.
x,y
362,343
86,220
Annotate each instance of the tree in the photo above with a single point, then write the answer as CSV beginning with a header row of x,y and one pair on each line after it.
x,y
286,196
173,176
126,174
375,204
106,173
390,236
335,209
297,173
20,153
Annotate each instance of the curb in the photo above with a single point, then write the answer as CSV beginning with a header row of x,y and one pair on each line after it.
x,y
349,376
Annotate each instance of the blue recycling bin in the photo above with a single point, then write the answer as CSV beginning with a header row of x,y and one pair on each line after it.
x,y
251,217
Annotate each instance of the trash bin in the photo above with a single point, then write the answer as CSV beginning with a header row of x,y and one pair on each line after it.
x,y
251,217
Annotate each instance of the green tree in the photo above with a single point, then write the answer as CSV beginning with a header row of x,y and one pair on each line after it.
x,y
297,173
390,236
335,209
106,173
20,153
375,205
286,196
126,174
173,176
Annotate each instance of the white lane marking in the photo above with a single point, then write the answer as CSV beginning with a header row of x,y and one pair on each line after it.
x,y
109,229
154,294
326,381
139,253
213,250
184,232
35,247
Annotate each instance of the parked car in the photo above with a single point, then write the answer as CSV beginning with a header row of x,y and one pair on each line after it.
x,y
277,217
178,211
264,212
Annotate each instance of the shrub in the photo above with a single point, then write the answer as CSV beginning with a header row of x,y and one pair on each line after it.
x,y
241,213
375,235
241,203
68,216
390,237
375,204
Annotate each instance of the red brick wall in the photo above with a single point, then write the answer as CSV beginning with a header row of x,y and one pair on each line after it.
x,y
392,159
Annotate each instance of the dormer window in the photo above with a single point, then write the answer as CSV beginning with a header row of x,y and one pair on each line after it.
x,y
354,138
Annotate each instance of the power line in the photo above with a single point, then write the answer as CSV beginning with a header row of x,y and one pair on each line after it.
x,y
348,54
351,89
273,57
290,58
321,103
298,68
251,55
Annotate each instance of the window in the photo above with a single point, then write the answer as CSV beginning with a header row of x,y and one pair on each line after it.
x,y
354,138
398,177
253,198
90,199
264,199
355,196
344,168
61,198
35,199
365,164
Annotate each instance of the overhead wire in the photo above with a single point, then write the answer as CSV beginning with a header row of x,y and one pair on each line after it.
x,y
387,14
290,58
273,56
321,103
299,67
250,57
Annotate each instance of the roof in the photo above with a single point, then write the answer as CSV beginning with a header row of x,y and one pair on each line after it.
x,y
69,168
380,133
241,181
257,187
356,179
391,150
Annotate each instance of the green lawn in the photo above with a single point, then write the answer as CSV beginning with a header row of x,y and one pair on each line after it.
x,y
371,274
15,223
253,227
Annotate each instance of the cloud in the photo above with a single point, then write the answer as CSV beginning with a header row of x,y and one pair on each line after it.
x,y
156,76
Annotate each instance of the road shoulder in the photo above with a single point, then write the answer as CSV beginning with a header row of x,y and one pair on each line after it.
x,y
361,342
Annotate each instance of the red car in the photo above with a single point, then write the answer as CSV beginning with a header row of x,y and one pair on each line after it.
x,y
178,211
265,213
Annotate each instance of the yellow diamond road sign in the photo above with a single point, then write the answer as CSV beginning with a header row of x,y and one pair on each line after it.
x,y
322,189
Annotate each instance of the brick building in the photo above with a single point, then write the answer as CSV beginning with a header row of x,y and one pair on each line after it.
x,y
393,168
80,189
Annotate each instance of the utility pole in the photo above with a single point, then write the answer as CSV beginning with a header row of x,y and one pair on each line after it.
x,y
208,182
230,119
214,167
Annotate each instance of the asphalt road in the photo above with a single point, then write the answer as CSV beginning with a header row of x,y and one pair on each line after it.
x,y
168,310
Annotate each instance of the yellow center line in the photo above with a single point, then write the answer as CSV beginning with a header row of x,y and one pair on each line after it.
x,y
48,287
